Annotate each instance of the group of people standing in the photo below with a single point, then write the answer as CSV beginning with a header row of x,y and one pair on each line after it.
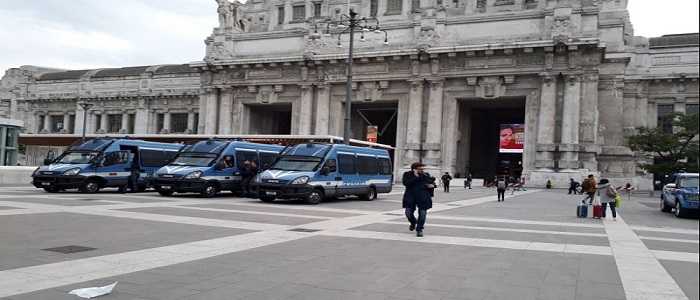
x,y
605,191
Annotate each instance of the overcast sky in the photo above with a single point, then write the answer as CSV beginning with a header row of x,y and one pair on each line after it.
x,y
74,34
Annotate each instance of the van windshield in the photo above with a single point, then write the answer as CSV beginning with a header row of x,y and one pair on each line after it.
x,y
297,163
77,157
689,182
194,159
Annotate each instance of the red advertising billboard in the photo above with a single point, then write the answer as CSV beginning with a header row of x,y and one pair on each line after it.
x,y
512,138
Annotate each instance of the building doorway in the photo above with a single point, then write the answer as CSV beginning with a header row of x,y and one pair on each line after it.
x,y
381,115
492,137
270,119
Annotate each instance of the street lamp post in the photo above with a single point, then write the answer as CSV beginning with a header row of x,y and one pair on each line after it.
x,y
85,106
350,23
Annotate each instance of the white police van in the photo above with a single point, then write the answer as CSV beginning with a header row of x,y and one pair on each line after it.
x,y
312,172
104,162
203,167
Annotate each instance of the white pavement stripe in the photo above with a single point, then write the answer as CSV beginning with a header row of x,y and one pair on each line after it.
x,y
666,230
29,279
653,238
474,242
509,229
513,221
676,256
182,219
642,276
266,213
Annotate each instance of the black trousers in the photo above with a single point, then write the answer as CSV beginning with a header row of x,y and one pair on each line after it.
x,y
590,196
501,194
446,186
612,208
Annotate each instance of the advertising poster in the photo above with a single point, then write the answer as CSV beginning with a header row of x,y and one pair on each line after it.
x,y
372,133
512,138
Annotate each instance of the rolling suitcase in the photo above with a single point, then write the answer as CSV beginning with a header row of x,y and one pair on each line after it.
x,y
597,211
582,210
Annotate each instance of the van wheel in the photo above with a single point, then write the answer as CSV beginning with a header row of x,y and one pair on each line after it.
x,y
315,197
371,195
679,212
266,198
210,190
665,208
165,193
52,189
90,187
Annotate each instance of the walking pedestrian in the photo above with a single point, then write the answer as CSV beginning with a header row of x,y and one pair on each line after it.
x,y
246,177
418,185
607,194
589,187
573,185
468,181
501,186
446,178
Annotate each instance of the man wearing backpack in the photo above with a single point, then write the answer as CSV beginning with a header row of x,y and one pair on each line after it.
x,y
446,181
589,187
501,186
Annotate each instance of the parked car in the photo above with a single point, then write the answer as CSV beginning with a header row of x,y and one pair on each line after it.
x,y
316,171
104,162
208,167
681,195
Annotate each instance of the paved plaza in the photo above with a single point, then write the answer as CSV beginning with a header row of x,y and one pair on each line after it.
x,y
531,246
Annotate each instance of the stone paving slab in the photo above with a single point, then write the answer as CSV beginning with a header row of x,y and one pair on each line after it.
x,y
356,268
275,208
671,246
8,207
572,228
686,275
672,235
645,211
87,201
496,235
23,236
282,220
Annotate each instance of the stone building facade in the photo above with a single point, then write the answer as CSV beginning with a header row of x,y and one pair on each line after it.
x,y
571,70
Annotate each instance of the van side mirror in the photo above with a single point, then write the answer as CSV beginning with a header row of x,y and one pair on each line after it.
x,y
47,161
325,170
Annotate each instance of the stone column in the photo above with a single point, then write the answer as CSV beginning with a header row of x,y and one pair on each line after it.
x,y
305,113
226,111
46,125
323,102
78,126
190,122
142,118
212,108
546,123
90,124
641,112
679,105
166,121
588,131
570,123
414,124
66,120
433,137
125,123
651,114
104,122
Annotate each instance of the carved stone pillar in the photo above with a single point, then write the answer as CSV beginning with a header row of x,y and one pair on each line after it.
x,y
414,123
190,122
166,122
546,123
306,101
46,125
66,120
104,122
588,131
433,138
125,123
323,102
226,111
78,125
570,123
142,118
209,101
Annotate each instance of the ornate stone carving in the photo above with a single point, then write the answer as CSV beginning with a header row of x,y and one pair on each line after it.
x,y
561,27
490,87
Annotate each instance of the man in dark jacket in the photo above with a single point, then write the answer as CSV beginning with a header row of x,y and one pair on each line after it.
x,y
418,187
446,181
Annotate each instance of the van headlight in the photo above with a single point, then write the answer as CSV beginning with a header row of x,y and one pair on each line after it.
x,y
301,180
258,179
72,172
36,171
194,175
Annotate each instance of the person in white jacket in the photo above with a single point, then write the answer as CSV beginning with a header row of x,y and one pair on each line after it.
x,y
607,194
